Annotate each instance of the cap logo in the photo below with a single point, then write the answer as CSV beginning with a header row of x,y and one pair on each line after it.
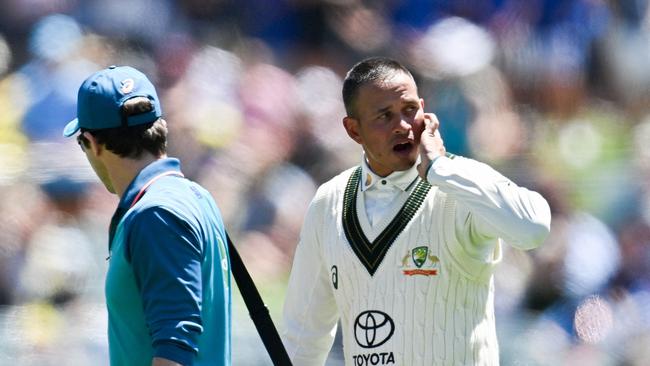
x,y
126,86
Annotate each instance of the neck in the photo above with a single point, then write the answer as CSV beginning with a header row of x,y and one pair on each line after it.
x,y
383,173
124,170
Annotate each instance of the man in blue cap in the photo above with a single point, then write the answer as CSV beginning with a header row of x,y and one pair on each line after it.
x,y
168,282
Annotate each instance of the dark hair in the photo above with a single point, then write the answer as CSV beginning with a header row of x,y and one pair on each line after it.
x,y
369,70
132,141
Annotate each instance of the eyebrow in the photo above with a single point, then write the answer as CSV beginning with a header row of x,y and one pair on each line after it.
x,y
411,101
382,110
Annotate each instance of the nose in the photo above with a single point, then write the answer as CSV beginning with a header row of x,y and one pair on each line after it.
x,y
403,126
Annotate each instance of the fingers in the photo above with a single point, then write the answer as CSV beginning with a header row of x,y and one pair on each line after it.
x,y
431,124
430,119
431,143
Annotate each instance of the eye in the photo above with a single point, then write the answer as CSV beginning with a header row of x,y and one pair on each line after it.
x,y
386,116
411,109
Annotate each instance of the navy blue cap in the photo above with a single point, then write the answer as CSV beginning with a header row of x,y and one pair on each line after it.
x,y
102,95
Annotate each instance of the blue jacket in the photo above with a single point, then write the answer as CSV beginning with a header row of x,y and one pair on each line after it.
x,y
168,282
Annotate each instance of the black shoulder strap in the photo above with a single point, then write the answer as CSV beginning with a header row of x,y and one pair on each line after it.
x,y
258,311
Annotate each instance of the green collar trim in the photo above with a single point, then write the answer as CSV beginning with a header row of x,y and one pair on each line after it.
x,y
372,254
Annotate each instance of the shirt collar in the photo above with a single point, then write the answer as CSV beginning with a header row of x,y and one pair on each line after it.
x,y
157,167
400,179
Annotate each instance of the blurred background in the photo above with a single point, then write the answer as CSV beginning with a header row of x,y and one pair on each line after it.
x,y
553,93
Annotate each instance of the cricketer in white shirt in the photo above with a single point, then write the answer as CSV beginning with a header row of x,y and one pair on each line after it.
x,y
406,264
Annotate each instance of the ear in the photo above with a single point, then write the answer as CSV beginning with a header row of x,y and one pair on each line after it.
x,y
95,147
422,103
352,128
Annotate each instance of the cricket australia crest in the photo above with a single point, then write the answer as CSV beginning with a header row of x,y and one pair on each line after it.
x,y
419,261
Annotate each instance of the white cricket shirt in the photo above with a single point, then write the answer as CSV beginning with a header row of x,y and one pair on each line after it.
x,y
413,288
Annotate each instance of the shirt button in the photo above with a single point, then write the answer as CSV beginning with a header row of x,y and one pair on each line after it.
x,y
383,181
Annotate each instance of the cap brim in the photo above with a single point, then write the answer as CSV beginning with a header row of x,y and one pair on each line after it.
x,y
71,128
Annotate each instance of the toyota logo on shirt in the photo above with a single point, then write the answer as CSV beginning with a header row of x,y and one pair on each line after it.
x,y
372,328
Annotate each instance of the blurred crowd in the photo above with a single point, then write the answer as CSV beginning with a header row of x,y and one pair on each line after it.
x,y
553,93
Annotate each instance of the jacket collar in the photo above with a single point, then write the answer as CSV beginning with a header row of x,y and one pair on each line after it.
x,y
150,171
